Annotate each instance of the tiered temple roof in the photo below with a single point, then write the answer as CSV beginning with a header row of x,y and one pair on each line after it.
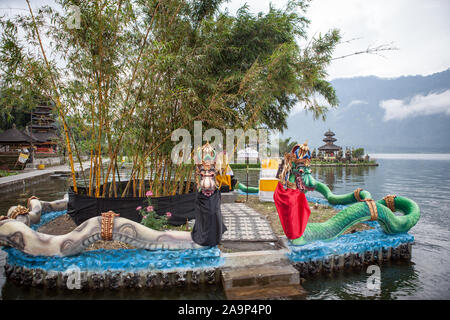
x,y
329,143
15,136
43,125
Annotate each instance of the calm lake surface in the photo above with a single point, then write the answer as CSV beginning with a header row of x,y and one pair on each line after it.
x,y
423,178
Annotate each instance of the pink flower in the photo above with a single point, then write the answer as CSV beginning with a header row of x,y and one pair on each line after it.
x,y
149,208
149,193
168,214
145,217
138,208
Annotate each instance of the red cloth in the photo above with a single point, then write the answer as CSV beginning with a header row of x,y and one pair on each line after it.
x,y
293,210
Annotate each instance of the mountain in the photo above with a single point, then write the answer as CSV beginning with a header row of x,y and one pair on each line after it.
x,y
404,114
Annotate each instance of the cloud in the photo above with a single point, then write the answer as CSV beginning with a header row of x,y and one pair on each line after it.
x,y
356,102
432,103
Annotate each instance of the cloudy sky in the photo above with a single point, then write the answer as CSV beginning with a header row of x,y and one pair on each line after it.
x,y
418,28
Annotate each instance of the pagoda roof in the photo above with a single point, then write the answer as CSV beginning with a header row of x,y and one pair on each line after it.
x,y
329,139
44,136
329,147
44,126
14,135
329,133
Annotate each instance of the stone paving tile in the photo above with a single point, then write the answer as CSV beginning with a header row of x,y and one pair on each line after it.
x,y
245,224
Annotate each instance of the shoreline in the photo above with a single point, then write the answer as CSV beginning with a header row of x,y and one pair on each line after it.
x,y
17,181
344,165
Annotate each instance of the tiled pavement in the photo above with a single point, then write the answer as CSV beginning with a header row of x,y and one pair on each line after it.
x,y
245,224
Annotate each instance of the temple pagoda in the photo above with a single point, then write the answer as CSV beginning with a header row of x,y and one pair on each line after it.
x,y
44,129
330,149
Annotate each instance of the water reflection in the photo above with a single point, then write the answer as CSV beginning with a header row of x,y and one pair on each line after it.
x,y
339,176
398,281
48,190
427,183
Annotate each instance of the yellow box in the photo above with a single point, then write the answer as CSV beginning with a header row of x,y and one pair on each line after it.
x,y
267,185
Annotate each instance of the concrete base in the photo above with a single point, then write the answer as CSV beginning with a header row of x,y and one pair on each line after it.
x,y
348,261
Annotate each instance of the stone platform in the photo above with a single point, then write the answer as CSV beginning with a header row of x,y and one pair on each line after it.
x,y
245,224
273,281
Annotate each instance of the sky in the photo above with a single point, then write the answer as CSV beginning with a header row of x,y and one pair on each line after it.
x,y
418,28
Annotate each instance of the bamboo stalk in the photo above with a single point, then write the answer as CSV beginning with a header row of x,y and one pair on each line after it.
x,y
188,180
141,184
111,185
118,178
163,176
90,176
134,184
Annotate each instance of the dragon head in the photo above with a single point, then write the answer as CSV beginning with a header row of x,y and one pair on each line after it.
x,y
206,169
295,167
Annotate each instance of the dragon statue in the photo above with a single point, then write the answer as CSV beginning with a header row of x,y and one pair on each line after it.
x,y
295,179
15,232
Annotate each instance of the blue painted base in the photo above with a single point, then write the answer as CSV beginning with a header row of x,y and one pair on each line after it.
x,y
356,243
130,260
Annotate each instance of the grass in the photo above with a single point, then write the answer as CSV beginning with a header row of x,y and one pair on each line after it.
x,y
319,213
244,166
7,173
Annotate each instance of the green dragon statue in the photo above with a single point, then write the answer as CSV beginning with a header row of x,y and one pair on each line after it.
x,y
359,211
295,173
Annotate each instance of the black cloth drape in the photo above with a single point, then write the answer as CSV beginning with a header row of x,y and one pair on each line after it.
x,y
82,207
209,227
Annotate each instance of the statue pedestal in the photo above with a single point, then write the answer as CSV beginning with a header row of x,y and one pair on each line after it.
x,y
350,251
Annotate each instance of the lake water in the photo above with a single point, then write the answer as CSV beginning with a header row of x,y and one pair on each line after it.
x,y
423,178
